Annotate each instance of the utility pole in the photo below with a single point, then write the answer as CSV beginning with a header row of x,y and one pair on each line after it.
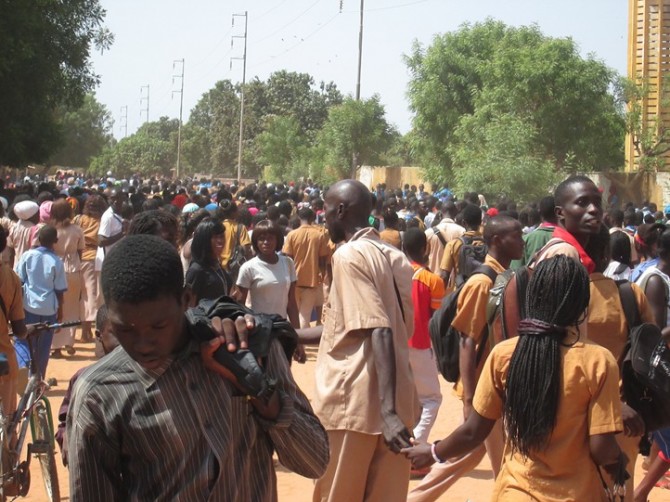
x,y
181,107
244,75
354,157
144,98
124,120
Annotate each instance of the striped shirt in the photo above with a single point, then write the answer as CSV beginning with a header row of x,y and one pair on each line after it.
x,y
181,433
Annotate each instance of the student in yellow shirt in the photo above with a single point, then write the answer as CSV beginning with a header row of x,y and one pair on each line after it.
x,y
558,396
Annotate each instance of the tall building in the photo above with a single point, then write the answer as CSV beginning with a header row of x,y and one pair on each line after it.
x,y
649,61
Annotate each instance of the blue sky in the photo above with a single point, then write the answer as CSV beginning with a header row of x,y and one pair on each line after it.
x,y
313,36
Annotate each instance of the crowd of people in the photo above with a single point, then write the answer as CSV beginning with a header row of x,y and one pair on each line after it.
x,y
358,272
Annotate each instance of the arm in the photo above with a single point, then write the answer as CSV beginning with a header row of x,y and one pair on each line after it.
x,y
59,312
108,241
292,307
240,294
311,335
298,437
655,291
93,456
605,451
463,440
395,433
467,355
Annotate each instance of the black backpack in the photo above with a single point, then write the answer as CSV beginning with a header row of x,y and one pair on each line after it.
x,y
470,257
645,368
446,339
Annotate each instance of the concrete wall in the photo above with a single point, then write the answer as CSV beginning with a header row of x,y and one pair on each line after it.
x,y
394,177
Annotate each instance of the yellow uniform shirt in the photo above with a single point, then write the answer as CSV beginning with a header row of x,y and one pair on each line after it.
x,y
588,405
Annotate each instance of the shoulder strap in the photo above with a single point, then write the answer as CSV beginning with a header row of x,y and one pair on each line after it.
x,y
630,308
487,271
491,274
395,284
438,232
239,233
550,243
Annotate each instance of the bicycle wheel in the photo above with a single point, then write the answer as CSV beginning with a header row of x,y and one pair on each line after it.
x,y
43,448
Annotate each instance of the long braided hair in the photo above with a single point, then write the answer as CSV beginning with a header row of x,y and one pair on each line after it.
x,y
557,296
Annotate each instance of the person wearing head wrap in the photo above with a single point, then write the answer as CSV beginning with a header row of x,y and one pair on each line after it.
x,y
19,239
190,208
45,211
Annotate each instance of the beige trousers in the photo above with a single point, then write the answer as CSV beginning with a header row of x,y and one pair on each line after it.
x,y
91,294
71,311
362,468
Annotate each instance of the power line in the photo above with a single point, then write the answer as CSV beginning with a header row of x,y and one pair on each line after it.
x,y
144,98
124,120
287,24
181,107
244,76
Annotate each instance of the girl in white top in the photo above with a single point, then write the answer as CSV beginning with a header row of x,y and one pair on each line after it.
x,y
269,278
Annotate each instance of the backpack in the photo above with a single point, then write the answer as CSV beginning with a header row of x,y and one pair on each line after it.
x,y
470,256
446,339
237,258
645,366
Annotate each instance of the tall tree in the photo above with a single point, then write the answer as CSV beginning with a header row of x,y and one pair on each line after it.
x,y
355,127
44,66
490,70
86,132
283,148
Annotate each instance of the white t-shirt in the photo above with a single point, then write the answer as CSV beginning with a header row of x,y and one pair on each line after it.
x,y
644,278
268,284
111,224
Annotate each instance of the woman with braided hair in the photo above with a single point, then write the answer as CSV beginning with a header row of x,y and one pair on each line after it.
x,y
558,396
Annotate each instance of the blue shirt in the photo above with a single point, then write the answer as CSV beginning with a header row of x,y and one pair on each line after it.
x,y
639,269
42,275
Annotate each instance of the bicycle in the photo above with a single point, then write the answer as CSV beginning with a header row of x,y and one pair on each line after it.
x,y
33,410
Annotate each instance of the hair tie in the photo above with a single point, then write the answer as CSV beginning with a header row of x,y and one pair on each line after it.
x,y
538,327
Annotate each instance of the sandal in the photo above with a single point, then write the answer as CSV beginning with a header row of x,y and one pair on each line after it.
x,y
70,350
56,354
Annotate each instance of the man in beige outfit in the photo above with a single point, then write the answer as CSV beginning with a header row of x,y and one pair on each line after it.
x,y
365,395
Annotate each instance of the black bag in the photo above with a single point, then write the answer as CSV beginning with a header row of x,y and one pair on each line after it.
x,y
446,339
243,363
645,368
471,256
237,258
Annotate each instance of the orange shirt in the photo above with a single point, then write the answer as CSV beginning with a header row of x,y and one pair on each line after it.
x,y
588,405
391,237
427,294
90,227
607,325
307,244
470,317
230,240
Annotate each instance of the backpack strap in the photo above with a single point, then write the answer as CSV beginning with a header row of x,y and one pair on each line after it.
x,y
629,303
438,232
491,274
550,243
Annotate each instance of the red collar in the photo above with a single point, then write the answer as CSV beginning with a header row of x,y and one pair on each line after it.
x,y
564,235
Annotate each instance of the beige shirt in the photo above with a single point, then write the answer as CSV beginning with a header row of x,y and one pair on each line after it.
x,y
450,231
69,246
19,238
362,298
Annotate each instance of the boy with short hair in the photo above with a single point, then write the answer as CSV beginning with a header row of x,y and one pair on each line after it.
x,y
427,294
43,277
154,422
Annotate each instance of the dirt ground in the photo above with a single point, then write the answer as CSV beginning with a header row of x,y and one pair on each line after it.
x,y
474,488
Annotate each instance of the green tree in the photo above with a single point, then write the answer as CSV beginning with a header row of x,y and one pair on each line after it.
x,y
86,132
44,66
283,148
355,127
491,70
501,157
151,150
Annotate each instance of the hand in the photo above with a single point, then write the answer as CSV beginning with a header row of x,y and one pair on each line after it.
x,y
269,409
396,435
230,333
299,355
59,314
419,454
32,329
125,225
633,425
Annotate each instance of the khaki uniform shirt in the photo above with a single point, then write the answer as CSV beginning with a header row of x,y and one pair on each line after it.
x,y
450,231
362,298
306,245
589,405
230,240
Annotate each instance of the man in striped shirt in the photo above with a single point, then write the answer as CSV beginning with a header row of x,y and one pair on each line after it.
x,y
152,422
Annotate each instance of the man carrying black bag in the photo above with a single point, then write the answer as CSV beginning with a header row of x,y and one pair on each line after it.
x,y
152,422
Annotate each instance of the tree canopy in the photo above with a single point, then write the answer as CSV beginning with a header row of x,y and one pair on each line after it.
x,y
488,74
44,66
